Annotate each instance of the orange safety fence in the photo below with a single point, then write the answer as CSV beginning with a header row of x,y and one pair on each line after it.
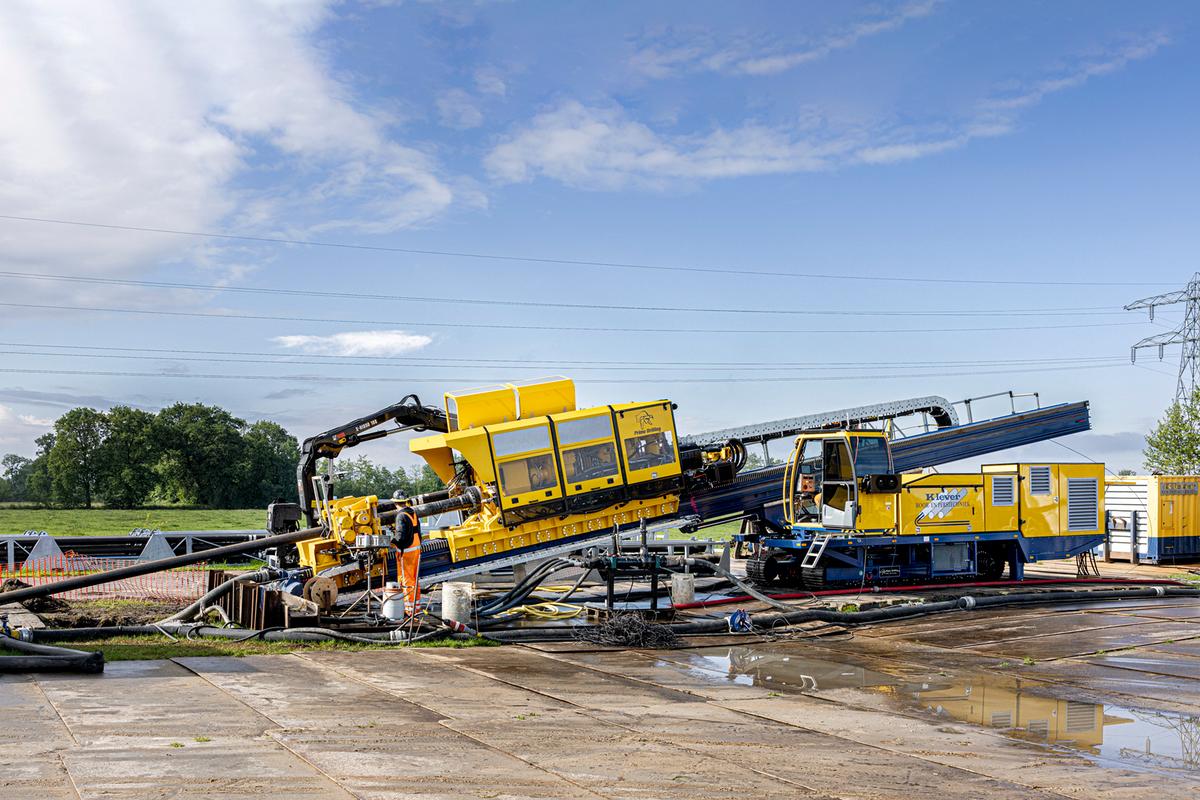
x,y
185,583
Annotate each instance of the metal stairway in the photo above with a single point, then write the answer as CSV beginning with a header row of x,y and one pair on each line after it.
x,y
816,549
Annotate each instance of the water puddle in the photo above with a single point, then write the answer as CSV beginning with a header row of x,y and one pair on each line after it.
x,y
1153,740
751,666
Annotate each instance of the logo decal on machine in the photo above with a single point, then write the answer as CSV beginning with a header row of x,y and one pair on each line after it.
x,y
942,503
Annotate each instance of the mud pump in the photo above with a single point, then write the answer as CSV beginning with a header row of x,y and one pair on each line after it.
x,y
532,474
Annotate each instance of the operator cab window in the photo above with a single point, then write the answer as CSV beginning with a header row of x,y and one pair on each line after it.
x,y
806,499
652,450
871,456
588,461
838,488
535,471
838,466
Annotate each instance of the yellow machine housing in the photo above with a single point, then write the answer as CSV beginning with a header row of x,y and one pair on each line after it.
x,y
552,471
839,481
347,518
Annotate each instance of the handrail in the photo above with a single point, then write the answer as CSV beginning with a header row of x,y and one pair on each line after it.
x,y
1010,394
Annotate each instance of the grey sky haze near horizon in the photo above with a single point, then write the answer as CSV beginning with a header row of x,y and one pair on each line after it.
x,y
671,171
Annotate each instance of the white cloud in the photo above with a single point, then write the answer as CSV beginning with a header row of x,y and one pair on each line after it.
x,y
192,116
603,148
754,57
489,81
459,110
18,431
356,343
999,115
1078,74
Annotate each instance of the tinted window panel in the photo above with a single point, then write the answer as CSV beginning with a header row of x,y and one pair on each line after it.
x,y
583,430
512,442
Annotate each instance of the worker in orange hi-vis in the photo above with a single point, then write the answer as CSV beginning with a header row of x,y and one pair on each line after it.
x,y
408,545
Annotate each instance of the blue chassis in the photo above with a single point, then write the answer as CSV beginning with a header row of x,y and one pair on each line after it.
x,y
849,559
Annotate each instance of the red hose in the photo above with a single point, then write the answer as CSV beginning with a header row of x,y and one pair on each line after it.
x,y
720,601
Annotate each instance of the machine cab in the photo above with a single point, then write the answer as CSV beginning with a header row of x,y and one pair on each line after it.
x,y
826,472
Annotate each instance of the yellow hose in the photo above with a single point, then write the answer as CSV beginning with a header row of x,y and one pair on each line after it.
x,y
548,610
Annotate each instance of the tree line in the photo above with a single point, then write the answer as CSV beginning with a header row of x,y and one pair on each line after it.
x,y
187,454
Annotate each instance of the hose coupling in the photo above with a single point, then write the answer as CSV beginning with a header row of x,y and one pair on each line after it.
x,y
967,602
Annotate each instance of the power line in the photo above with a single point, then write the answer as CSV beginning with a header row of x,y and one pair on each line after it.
x,y
1083,455
354,360
337,378
479,301
292,360
1187,334
565,261
582,329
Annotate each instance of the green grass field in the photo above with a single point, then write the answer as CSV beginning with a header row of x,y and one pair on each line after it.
x,y
113,522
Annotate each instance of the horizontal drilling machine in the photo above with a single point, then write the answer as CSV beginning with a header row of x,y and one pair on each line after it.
x,y
533,476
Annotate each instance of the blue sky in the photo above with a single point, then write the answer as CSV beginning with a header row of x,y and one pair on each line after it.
x,y
1050,145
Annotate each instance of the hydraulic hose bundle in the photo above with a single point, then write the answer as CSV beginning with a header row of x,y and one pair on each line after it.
x,y
764,623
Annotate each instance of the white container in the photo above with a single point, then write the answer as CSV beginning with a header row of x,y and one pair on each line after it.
x,y
393,601
683,588
457,598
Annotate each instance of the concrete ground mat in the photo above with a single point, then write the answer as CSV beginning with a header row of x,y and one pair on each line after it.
x,y
864,715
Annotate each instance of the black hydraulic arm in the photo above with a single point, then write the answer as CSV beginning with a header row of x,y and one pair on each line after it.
x,y
408,414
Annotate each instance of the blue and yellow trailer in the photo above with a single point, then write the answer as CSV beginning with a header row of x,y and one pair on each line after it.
x,y
1153,518
850,519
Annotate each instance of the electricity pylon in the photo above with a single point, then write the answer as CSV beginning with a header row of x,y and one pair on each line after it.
x,y
1187,334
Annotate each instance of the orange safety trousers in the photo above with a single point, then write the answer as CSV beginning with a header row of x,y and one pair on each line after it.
x,y
409,566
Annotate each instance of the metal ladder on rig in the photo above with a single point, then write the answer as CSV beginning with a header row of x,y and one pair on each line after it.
x,y
816,549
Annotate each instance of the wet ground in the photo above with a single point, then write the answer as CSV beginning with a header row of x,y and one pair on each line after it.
x,y
1090,700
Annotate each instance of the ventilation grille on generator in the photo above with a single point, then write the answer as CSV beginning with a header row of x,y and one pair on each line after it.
x,y
1080,717
1003,490
1039,480
1083,504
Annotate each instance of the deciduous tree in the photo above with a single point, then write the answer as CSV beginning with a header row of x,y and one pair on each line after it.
x,y
1173,447
128,458
74,459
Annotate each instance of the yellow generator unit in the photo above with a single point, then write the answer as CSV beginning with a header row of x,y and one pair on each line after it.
x,y
852,519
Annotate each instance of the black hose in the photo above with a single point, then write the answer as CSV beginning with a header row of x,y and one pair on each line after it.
x,y
519,593
191,630
43,658
767,622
